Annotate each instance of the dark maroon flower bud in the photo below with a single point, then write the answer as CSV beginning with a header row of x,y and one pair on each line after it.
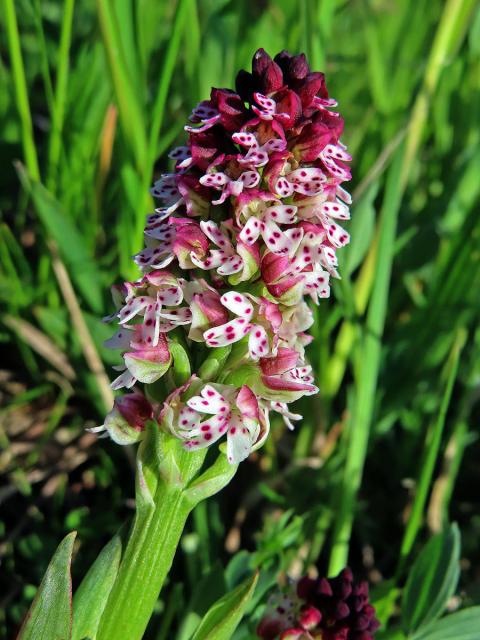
x,y
293,67
312,140
327,608
267,71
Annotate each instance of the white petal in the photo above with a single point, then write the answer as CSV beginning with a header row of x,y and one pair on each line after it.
x,y
337,236
258,342
336,151
275,144
267,103
336,210
245,139
133,307
120,340
171,296
256,157
281,214
238,304
234,264
209,401
276,239
216,180
213,261
283,187
239,443
213,232
249,179
344,195
126,379
250,232
305,175
227,333
207,124
188,419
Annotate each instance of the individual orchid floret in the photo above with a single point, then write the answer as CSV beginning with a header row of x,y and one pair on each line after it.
x,y
257,154
328,608
267,108
229,186
225,259
205,114
260,323
284,377
156,298
220,409
179,238
126,421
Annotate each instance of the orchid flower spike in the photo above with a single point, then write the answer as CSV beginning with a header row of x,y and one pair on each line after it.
x,y
246,233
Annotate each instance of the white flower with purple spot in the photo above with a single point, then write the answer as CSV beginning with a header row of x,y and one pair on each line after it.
x,y
229,187
257,155
244,324
267,108
204,114
218,410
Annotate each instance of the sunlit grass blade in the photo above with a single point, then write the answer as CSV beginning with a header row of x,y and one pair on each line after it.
x,y
60,99
450,32
131,111
367,374
21,89
432,447
170,60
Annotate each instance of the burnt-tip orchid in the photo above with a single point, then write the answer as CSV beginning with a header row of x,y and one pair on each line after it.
x,y
247,232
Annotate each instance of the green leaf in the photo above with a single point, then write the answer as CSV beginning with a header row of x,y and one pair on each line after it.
x,y
50,615
432,580
462,625
207,591
223,617
91,596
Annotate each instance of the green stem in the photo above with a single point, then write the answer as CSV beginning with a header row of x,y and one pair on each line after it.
x,y
168,488
148,558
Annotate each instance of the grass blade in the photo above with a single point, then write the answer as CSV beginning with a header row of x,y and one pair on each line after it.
x,y
21,90
58,114
432,447
368,374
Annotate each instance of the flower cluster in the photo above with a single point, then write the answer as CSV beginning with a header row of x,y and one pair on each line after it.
x,y
330,609
247,232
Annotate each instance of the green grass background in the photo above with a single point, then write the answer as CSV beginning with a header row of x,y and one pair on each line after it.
x,y
92,97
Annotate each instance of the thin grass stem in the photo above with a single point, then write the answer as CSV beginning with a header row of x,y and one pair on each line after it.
x,y
21,90
60,100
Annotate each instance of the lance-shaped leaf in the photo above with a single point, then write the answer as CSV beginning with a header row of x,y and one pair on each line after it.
x,y
432,580
50,615
221,620
91,596
462,625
